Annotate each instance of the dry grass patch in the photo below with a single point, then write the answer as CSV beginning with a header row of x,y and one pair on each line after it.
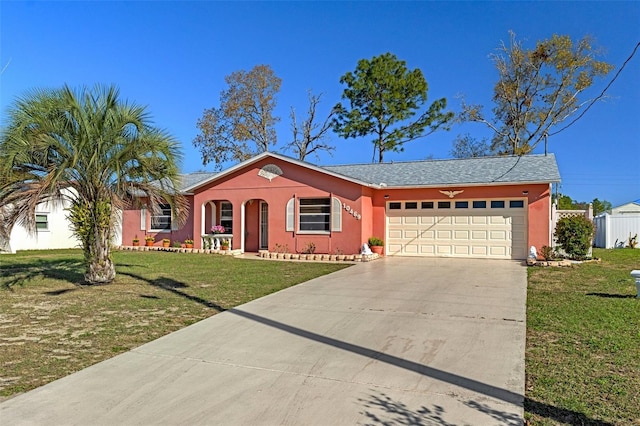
x,y
52,326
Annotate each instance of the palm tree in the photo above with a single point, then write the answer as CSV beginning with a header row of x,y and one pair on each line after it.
x,y
99,152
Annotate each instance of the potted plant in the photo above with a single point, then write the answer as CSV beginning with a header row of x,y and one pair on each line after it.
x,y
376,245
217,229
136,241
149,240
188,243
224,244
166,242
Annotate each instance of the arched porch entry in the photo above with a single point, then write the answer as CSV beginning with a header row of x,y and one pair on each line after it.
x,y
217,213
256,225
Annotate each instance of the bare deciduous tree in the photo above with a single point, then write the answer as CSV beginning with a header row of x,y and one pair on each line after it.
x,y
309,136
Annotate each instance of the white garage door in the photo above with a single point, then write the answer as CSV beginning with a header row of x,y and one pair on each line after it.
x,y
492,228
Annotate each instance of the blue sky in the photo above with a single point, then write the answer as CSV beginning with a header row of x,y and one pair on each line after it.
x,y
173,57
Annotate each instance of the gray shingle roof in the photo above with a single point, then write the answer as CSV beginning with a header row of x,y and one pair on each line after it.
x,y
191,179
470,171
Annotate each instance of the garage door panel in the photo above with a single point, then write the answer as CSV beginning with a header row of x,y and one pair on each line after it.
x,y
518,238
498,235
479,250
395,220
429,234
479,220
427,220
461,250
444,234
411,233
461,220
492,233
395,233
411,248
498,251
427,249
461,235
499,220
410,220
443,249
479,235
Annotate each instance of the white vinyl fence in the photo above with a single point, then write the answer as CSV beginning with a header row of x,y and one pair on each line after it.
x,y
613,231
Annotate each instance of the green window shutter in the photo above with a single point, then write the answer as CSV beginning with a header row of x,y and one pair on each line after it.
x,y
290,220
336,215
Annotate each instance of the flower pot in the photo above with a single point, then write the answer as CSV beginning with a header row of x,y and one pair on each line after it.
x,y
189,246
136,243
224,247
148,243
165,244
377,250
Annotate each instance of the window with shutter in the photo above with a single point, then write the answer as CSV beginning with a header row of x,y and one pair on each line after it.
x,y
314,215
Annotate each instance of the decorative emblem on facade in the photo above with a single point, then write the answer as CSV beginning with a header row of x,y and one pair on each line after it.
x,y
451,194
270,171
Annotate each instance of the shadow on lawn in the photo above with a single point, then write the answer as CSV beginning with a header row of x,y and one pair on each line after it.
x,y
174,287
71,271
561,415
613,296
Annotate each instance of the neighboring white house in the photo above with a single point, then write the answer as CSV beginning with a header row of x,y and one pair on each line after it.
x,y
53,230
629,208
614,229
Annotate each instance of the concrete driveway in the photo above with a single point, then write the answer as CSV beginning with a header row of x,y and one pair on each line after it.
x,y
395,341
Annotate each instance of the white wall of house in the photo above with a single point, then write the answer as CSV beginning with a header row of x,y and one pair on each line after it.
x,y
613,231
53,233
629,208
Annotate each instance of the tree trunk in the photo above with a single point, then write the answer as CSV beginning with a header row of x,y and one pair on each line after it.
x,y
100,267
6,225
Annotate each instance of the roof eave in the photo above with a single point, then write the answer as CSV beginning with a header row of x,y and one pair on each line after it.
x,y
259,157
459,185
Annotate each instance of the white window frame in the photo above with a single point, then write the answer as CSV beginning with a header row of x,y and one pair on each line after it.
x,y
164,208
326,203
226,215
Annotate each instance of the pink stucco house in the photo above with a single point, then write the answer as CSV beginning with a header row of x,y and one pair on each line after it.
x,y
490,207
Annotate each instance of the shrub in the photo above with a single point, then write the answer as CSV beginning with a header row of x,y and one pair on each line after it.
x,y
547,253
375,241
309,248
574,234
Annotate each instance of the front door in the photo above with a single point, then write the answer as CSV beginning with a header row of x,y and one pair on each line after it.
x,y
264,226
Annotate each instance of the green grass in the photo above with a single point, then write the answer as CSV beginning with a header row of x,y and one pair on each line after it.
x,y
583,343
51,326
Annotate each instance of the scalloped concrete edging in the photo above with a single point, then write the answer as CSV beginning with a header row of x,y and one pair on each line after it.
x,y
181,250
566,263
265,254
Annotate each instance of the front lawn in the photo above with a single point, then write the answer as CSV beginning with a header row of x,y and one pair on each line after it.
x,y
583,343
50,326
